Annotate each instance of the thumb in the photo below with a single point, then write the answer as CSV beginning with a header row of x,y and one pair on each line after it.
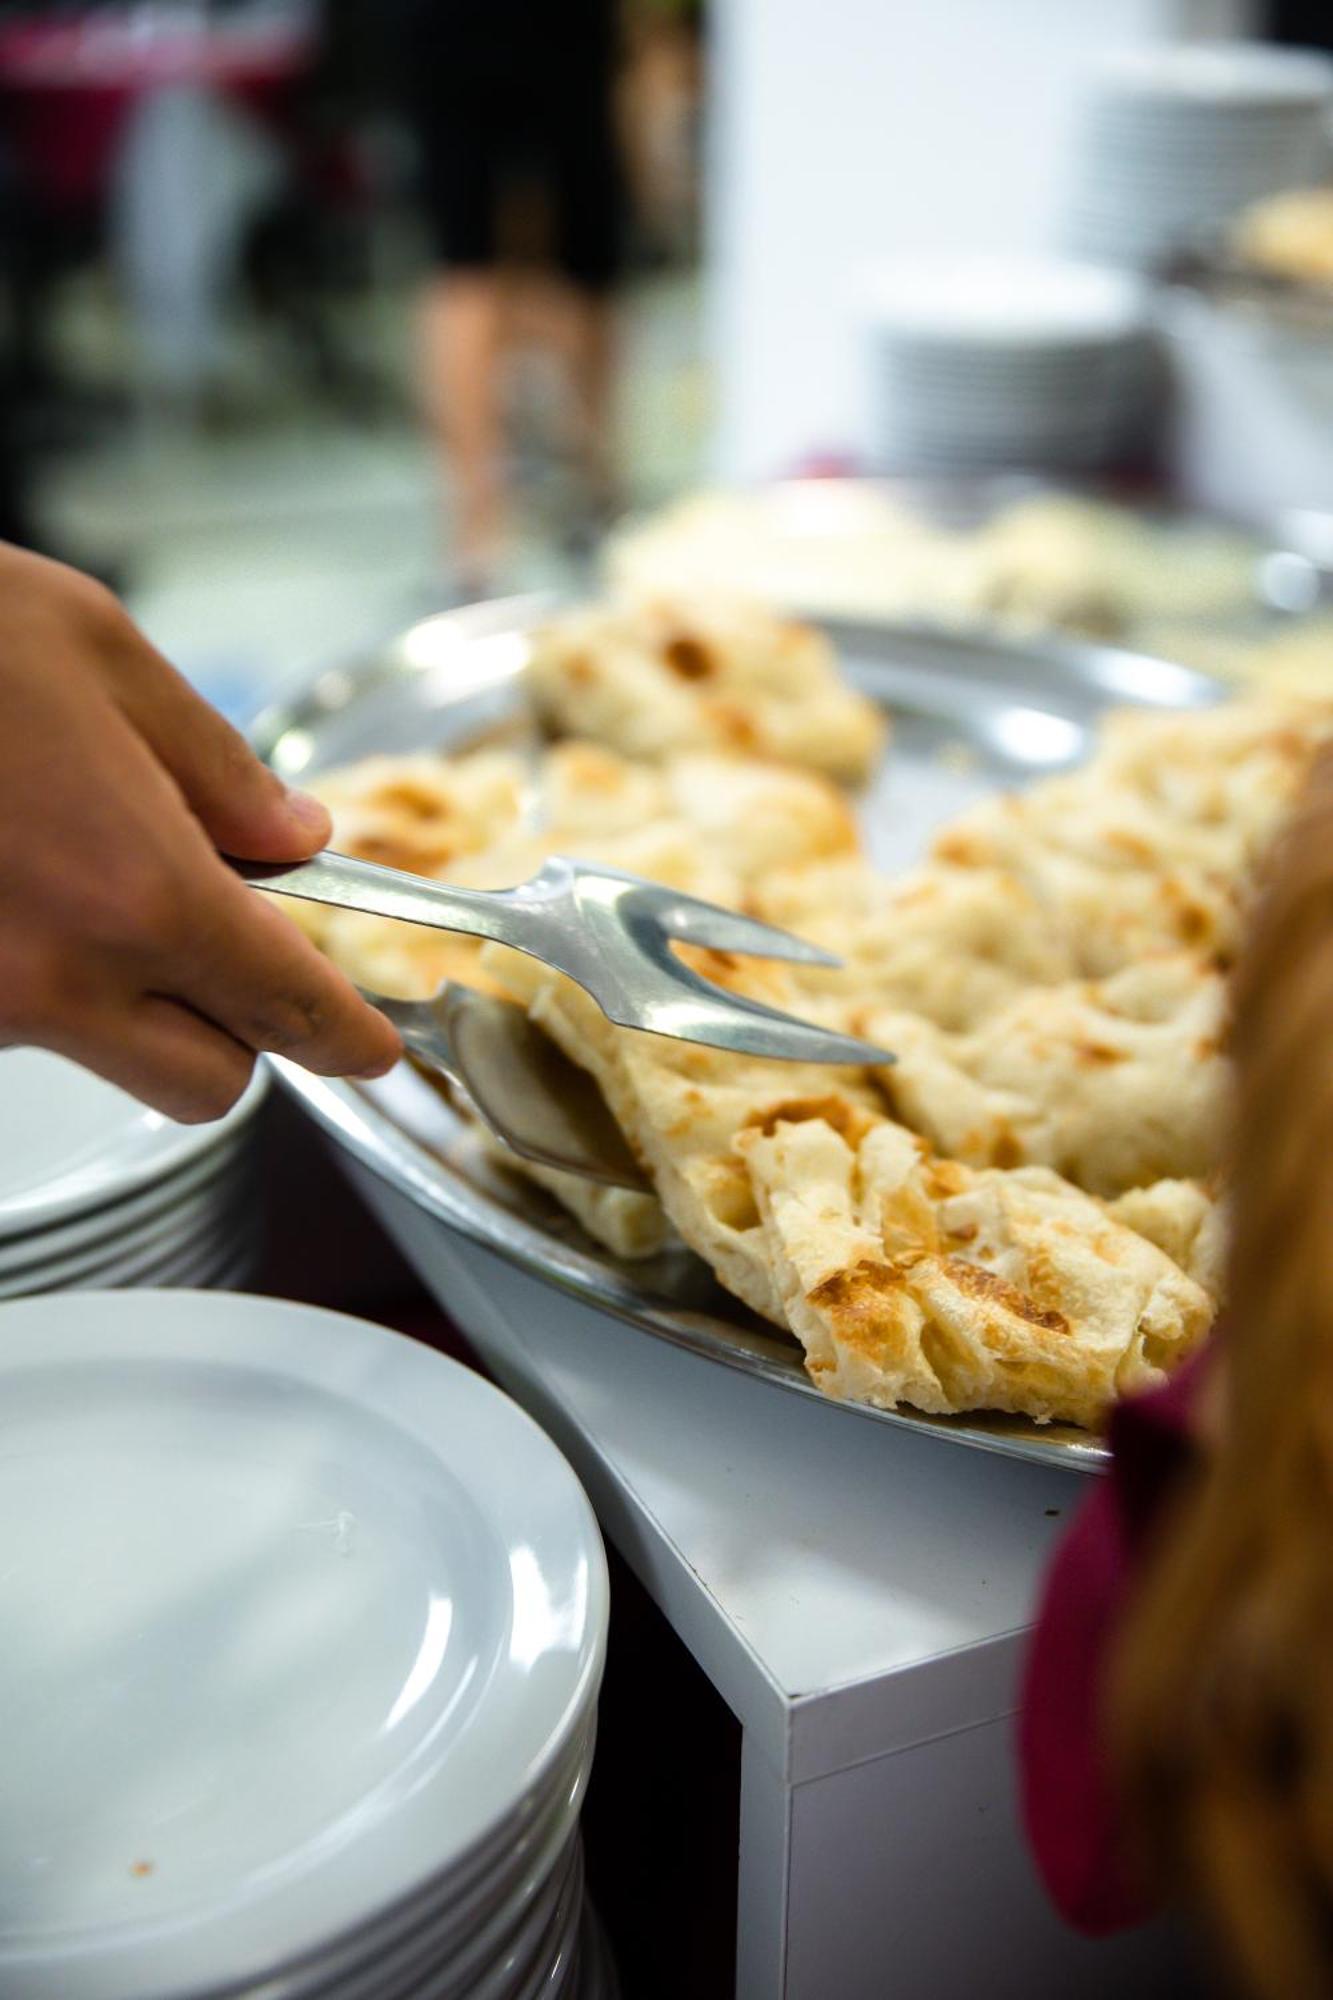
x,y
245,808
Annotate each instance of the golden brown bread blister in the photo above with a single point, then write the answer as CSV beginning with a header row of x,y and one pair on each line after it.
x,y
424,813
1090,820
428,815
654,677
1239,765
752,817
954,943
914,1280
1148,849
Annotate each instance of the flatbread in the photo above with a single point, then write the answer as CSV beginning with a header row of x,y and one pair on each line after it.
x,y
1152,846
914,1280
630,1224
1114,1085
1185,1219
680,1106
654,677
949,944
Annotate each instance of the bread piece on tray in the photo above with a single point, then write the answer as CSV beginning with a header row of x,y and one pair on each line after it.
x,y
1113,1085
914,1280
653,677
680,1106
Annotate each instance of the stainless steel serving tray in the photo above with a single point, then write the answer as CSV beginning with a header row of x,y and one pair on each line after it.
x,y
970,714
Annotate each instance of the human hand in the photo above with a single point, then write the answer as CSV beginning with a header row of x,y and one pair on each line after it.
x,y
125,941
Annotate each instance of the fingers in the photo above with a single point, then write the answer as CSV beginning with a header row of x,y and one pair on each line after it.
x,y
125,941
163,1054
249,969
244,807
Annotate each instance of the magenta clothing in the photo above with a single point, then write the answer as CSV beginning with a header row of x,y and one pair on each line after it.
x,y
1068,1802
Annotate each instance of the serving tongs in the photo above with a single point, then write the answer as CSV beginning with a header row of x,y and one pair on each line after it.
x,y
518,1082
610,932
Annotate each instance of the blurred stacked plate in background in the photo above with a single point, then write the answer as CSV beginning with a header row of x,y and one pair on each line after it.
x,y
96,1190
305,1628
982,363
1168,142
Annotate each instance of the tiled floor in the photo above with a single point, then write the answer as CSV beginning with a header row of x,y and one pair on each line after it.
x,y
296,535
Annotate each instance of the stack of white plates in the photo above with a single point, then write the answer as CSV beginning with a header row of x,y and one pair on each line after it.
x,y
979,363
96,1190
1171,141
304,1628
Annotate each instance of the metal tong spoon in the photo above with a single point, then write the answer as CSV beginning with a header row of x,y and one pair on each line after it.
x,y
522,1086
612,933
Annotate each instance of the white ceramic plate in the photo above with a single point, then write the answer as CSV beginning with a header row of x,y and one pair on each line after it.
x,y
106,1227
294,1611
533,1966
596,1967
70,1142
430,1925
1218,75
498,1921
1005,301
494,1962
176,1231
216,1240
209,1265
236,1275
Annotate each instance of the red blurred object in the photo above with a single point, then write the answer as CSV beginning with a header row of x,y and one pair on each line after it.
x,y
68,86
1068,1798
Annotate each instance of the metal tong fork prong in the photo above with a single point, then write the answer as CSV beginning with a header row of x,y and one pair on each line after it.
x,y
610,932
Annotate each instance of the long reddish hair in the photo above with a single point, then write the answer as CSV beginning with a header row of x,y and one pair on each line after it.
x,y
1221,1709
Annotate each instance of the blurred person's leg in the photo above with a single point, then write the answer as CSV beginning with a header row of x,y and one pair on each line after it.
x,y
462,341
587,325
658,107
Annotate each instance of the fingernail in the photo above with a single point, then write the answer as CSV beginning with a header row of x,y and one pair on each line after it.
x,y
373,1075
302,806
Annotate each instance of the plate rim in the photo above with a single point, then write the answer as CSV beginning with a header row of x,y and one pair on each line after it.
x,y
182,1145
106,1224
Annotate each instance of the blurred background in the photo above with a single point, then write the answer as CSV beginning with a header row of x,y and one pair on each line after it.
x,y
320,317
